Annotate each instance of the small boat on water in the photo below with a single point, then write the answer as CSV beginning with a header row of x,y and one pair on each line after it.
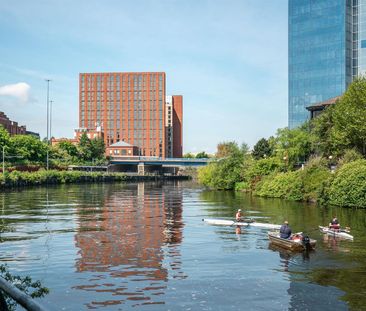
x,y
300,243
250,223
341,233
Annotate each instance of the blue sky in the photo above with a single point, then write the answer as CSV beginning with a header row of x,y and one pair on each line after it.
x,y
227,58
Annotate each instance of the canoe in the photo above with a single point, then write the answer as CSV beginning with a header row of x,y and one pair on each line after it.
x,y
341,233
225,222
292,245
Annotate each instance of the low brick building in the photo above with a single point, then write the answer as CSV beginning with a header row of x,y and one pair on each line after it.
x,y
122,149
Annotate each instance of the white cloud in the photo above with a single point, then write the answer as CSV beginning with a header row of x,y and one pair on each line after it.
x,y
19,90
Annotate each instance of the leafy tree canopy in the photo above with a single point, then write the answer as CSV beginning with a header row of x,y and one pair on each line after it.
x,y
201,155
350,117
262,149
4,137
28,148
69,148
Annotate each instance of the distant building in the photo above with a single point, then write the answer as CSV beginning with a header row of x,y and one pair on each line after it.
x,y
36,135
90,133
327,50
56,141
173,126
131,107
318,108
11,126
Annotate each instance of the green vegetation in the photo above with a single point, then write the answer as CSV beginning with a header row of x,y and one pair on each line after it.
x,y
25,284
27,150
322,160
200,155
17,178
226,171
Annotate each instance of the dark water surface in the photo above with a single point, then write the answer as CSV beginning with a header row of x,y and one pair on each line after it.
x,y
145,247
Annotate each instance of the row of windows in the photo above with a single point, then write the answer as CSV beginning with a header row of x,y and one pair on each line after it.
x,y
121,76
112,87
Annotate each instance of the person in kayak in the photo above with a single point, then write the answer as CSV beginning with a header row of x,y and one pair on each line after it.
x,y
285,230
334,224
238,216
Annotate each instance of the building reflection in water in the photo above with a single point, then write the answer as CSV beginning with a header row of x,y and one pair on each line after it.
x,y
131,245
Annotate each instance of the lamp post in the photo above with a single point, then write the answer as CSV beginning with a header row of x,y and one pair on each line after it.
x,y
48,111
4,159
51,102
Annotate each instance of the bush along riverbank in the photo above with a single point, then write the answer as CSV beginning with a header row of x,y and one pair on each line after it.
x,y
321,161
53,177
344,185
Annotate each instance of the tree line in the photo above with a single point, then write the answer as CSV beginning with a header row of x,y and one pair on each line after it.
x,y
27,149
310,162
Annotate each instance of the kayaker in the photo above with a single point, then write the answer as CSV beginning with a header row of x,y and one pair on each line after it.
x,y
334,224
238,215
285,230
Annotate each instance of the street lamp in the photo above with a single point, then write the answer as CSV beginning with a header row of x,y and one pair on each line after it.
x,y
51,102
3,159
48,109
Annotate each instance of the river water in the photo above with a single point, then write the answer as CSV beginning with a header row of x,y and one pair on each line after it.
x,y
144,247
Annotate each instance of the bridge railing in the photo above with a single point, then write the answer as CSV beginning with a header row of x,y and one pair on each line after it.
x,y
17,295
158,159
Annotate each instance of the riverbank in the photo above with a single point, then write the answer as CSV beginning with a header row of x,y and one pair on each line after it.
x,y
17,179
315,182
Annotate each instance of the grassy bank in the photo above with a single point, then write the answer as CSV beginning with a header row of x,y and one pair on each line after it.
x,y
42,177
53,177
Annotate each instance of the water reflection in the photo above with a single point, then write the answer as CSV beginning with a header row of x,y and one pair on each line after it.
x,y
122,247
132,238
334,244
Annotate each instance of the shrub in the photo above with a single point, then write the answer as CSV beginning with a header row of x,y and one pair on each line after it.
x,y
314,176
348,186
283,185
349,155
243,186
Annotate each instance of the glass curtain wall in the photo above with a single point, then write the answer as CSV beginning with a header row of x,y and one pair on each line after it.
x,y
320,53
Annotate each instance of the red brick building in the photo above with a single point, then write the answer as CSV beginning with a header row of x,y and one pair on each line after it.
x,y
122,149
129,107
11,126
173,126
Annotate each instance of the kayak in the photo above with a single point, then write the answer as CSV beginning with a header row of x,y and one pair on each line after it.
x,y
293,245
224,222
341,233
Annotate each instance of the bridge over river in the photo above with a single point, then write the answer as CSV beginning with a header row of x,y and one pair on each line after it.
x,y
142,164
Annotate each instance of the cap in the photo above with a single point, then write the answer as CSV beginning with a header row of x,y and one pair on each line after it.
x,y
285,222
239,210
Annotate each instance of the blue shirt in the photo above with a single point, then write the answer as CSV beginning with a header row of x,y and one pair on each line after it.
x,y
285,232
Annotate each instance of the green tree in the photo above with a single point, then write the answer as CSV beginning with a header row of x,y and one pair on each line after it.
x,y
226,149
350,117
294,145
98,148
28,148
69,148
188,155
201,155
85,147
4,137
262,149
227,170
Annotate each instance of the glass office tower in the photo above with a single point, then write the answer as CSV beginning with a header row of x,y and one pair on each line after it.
x,y
324,51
